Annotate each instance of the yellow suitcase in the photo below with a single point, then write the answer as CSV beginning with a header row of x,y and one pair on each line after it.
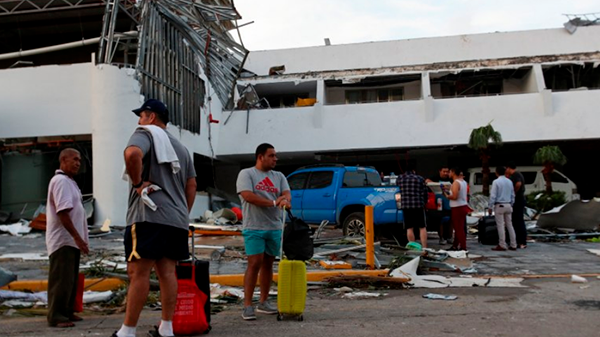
x,y
291,289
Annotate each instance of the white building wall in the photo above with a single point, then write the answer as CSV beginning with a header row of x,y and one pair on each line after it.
x,y
427,50
45,101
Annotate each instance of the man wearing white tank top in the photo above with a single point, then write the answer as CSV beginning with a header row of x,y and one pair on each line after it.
x,y
459,208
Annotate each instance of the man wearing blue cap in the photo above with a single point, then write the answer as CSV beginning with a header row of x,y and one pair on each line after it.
x,y
157,230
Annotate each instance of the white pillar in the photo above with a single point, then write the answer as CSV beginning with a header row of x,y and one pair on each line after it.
x,y
426,96
114,94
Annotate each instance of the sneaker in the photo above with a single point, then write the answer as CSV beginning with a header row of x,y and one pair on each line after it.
x,y
248,313
443,242
499,249
267,308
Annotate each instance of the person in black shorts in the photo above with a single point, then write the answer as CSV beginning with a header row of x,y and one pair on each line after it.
x,y
414,197
157,226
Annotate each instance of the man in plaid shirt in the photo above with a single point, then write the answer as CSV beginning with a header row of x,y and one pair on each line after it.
x,y
413,191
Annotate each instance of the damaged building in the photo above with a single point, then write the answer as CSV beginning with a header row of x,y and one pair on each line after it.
x,y
71,71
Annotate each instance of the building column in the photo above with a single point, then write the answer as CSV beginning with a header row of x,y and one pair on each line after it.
x,y
114,94
318,107
428,112
545,94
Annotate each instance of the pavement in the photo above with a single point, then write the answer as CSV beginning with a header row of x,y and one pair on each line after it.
x,y
551,306
548,308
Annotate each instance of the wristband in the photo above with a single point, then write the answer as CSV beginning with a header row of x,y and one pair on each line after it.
x,y
274,203
138,185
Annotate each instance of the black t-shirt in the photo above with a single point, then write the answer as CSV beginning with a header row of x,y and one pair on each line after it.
x,y
518,177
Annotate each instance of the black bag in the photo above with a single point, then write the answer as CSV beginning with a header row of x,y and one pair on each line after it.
x,y
297,240
488,231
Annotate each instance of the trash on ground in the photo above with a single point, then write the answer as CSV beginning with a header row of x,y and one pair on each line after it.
x,y
367,282
344,289
25,256
594,251
577,214
17,228
409,270
578,279
432,296
6,277
335,264
362,294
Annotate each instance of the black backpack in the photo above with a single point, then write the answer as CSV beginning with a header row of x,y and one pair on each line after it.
x,y
297,240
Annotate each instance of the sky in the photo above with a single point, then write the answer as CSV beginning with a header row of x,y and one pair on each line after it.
x,y
282,24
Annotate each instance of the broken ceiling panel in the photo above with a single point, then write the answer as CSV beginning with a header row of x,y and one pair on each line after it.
x,y
179,41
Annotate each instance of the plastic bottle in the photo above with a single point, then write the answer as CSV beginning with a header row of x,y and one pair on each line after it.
x,y
439,204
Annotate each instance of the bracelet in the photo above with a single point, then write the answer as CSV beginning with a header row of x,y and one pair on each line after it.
x,y
138,185
274,203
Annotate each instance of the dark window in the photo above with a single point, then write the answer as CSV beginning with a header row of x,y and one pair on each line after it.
x,y
297,181
320,179
361,179
529,177
479,178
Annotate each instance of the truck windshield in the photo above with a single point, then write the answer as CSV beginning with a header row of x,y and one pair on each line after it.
x,y
361,179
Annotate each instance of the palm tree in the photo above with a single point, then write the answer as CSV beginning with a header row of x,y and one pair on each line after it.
x,y
549,156
480,140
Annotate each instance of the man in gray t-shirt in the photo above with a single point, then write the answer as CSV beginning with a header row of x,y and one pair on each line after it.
x,y
156,238
263,193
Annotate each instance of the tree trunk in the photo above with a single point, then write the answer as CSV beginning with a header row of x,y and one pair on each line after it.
x,y
547,171
485,171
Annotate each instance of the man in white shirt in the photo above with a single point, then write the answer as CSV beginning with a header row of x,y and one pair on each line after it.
x,y
502,198
66,240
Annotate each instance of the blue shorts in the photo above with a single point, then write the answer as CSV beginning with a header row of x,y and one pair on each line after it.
x,y
262,241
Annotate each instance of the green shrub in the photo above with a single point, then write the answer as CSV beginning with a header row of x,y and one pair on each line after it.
x,y
545,202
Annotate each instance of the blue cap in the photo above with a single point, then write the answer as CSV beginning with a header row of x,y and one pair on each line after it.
x,y
155,106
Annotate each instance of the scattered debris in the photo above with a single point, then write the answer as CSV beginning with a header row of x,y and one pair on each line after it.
x,y
362,294
6,277
409,270
432,296
594,251
367,282
578,279
17,229
335,264
577,214
25,256
344,289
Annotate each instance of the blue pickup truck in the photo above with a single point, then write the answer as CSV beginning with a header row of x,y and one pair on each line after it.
x,y
339,194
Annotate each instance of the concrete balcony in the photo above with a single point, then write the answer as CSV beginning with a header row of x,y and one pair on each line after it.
x,y
428,122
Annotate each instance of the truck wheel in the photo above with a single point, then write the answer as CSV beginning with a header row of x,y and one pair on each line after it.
x,y
354,224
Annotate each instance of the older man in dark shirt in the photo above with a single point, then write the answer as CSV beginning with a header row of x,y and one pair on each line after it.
x,y
414,197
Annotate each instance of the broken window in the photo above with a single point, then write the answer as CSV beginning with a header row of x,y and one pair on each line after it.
x,y
373,89
484,82
565,77
283,94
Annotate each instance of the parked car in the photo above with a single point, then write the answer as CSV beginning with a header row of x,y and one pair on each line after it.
x,y
339,194
534,181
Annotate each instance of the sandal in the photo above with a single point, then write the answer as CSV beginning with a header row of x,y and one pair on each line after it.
x,y
522,246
